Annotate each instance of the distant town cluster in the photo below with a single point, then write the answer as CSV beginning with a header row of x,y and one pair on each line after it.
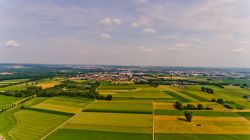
x,y
112,76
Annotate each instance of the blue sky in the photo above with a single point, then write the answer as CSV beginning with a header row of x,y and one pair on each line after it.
x,y
212,33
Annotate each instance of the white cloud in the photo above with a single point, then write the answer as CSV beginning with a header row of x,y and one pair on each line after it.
x,y
168,37
179,47
111,21
149,30
144,49
141,1
11,43
239,50
142,21
106,36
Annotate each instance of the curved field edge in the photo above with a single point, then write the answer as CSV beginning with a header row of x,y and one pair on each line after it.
x,y
7,119
76,134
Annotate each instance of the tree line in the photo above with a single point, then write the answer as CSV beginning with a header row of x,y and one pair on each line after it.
x,y
66,88
17,103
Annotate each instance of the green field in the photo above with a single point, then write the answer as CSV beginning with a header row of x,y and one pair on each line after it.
x,y
200,137
110,126
134,92
63,104
14,87
120,107
33,125
129,115
7,100
77,134
245,114
196,113
112,122
7,121
177,97
7,82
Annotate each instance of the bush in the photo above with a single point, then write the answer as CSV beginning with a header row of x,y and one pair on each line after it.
x,y
109,97
228,106
209,108
207,90
190,107
213,100
240,107
200,107
188,115
22,107
178,105
220,101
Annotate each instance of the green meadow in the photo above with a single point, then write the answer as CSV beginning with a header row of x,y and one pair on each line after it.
x,y
120,107
31,125
7,100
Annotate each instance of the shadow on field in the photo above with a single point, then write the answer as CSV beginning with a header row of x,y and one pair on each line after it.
x,y
181,119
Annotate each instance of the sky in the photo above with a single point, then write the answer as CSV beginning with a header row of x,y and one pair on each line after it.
x,y
203,33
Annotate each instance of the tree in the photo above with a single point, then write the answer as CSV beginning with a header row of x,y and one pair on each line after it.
x,y
22,107
190,107
109,97
203,89
188,115
178,105
200,107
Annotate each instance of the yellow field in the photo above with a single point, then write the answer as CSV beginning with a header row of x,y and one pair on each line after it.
x,y
209,125
104,92
119,122
164,106
80,81
123,82
174,77
57,107
63,104
49,84
215,106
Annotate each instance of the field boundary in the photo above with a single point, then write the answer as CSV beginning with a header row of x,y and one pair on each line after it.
x,y
114,111
50,111
66,121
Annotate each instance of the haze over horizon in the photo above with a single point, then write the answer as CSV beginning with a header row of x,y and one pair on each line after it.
x,y
211,33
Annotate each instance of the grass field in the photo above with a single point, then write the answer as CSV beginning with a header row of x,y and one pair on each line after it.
x,y
176,96
196,113
14,87
33,125
119,87
232,94
120,107
123,82
129,116
6,82
7,121
7,100
134,92
107,126
245,114
111,122
63,104
187,136
78,134
208,125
